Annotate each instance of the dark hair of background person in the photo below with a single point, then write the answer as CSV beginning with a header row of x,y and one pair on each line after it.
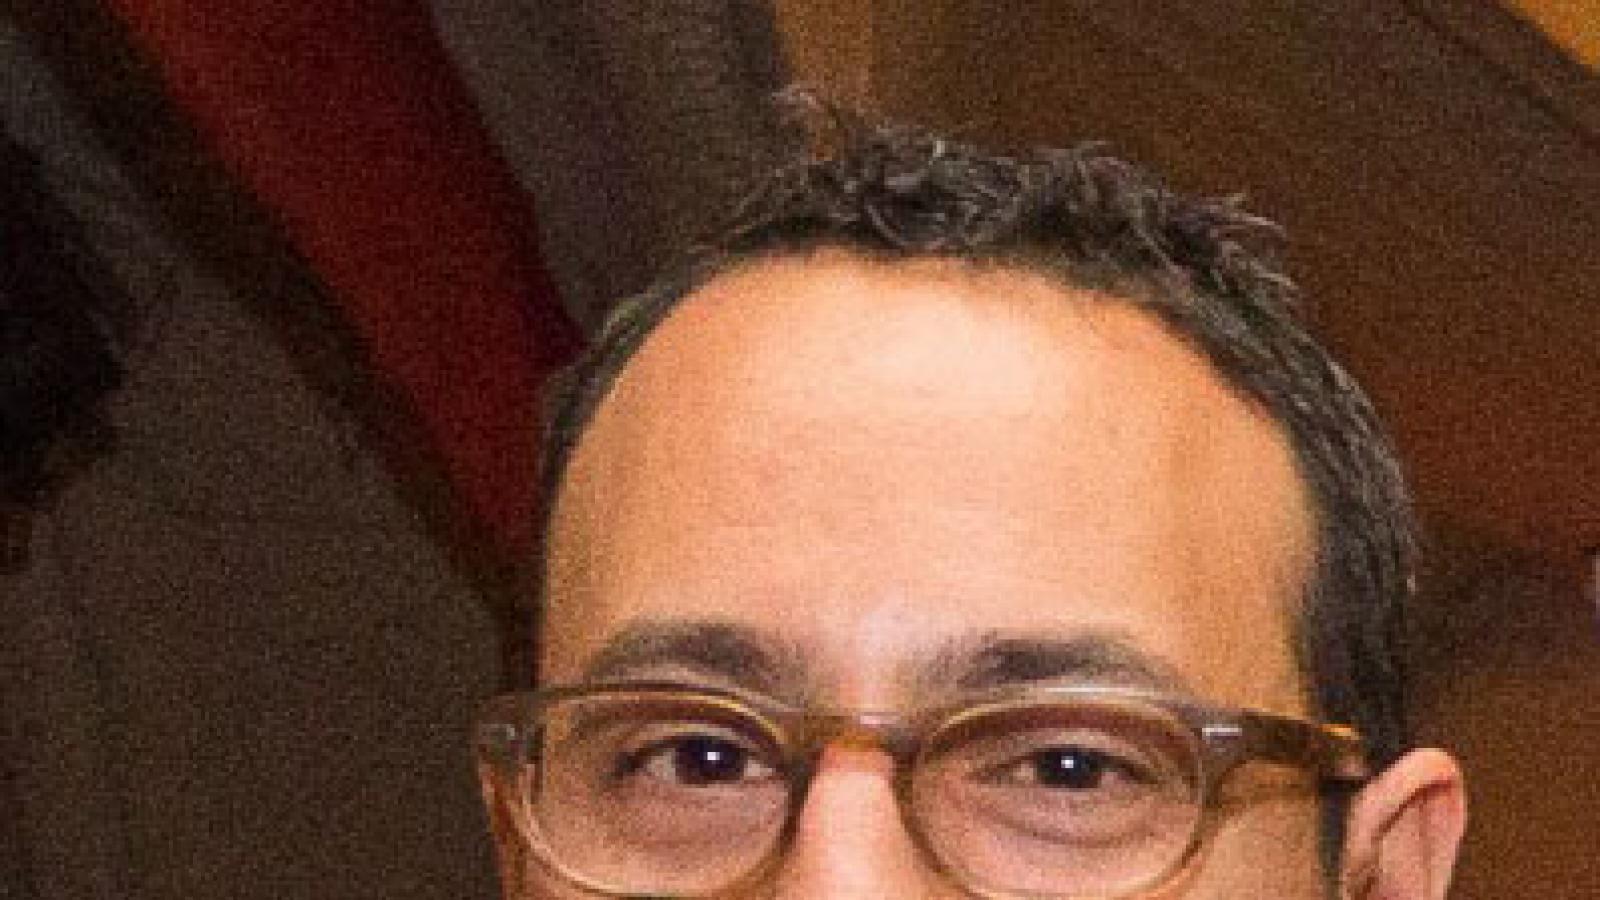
x,y
1092,222
62,319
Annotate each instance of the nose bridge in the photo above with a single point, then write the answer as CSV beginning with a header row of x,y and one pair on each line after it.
x,y
850,838
860,731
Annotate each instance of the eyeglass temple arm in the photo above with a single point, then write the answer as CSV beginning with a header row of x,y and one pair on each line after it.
x,y
1333,752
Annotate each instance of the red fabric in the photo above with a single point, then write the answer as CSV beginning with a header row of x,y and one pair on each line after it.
x,y
346,120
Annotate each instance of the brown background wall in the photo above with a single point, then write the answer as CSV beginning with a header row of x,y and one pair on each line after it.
x,y
1438,169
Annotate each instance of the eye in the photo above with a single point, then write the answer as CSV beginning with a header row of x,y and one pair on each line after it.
x,y
696,760
1073,768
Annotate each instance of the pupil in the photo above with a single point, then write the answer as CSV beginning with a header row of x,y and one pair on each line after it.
x,y
706,760
1069,768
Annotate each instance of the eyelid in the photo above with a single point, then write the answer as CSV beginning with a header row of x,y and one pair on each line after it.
x,y
647,733
644,742
588,721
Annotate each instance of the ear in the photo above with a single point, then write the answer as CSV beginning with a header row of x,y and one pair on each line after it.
x,y
1404,831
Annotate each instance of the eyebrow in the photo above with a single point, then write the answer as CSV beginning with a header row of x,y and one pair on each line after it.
x,y
750,659
995,660
737,655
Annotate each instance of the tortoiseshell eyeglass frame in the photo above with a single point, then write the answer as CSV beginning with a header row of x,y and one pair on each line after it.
x,y
1223,739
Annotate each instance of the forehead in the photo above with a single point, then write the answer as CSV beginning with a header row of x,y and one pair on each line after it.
x,y
869,461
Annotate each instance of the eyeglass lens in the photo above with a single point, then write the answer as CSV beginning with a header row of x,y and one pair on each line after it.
x,y
656,795
634,793
1091,799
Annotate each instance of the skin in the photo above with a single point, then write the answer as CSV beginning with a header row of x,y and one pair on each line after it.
x,y
877,466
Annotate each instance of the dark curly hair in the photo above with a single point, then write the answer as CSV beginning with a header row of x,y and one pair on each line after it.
x,y
61,319
1090,221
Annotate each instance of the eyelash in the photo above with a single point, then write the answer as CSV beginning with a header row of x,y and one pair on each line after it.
x,y
630,762
1128,769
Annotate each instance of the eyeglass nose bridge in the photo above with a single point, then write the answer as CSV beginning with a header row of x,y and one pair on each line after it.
x,y
857,731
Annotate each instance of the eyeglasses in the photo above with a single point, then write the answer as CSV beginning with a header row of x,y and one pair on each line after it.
x,y
1067,791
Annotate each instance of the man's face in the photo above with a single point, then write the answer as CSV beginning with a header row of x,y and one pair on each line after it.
x,y
885,477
